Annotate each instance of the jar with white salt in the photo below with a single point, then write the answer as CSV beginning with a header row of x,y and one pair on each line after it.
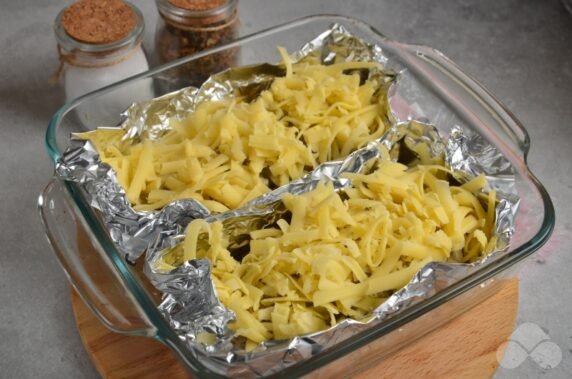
x,y
100,43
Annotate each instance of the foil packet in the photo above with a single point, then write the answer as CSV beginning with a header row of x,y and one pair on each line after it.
x,y
134,231
190,304
272,356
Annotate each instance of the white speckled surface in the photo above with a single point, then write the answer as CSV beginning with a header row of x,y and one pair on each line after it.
x,y
520,50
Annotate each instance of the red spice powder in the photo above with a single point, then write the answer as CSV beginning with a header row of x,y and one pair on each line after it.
x,y
98,21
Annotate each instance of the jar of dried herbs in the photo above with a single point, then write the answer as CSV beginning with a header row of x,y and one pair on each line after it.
x,y
190,26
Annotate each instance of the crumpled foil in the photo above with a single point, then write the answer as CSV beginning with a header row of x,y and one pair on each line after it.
x,y
131,231
134,231
190,304
470,154
270,357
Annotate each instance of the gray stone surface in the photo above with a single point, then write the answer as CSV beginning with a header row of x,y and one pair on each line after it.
x,y
520,50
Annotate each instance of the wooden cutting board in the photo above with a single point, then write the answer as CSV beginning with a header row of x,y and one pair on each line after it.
x,y
465,347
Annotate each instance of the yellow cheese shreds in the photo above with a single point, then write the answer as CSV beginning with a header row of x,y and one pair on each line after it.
x,y
341,255
231,151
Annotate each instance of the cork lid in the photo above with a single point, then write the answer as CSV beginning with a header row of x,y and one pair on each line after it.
x,y
98,21
198,5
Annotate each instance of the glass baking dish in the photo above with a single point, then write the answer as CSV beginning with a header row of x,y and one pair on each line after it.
x,y
431,88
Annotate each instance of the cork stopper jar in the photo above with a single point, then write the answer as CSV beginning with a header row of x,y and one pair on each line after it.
x,y
99,43
189,26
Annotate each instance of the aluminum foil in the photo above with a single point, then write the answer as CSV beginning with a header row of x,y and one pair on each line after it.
x,y
272,356
131,231
468,155
134,231
190,304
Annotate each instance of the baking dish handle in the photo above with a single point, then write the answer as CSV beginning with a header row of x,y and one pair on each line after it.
x,y
88,267
480,106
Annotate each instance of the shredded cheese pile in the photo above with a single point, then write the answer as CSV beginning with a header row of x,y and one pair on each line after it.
x,y
229,152
342,254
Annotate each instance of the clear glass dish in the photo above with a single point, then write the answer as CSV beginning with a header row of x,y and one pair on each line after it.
x,y
431,86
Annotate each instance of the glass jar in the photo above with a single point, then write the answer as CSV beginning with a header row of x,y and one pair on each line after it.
x,y
85,67
186,28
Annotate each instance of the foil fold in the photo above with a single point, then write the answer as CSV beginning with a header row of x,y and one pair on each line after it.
x,y
191,312
130,230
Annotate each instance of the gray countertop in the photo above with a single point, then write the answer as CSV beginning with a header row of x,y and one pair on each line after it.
x,y
520,50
